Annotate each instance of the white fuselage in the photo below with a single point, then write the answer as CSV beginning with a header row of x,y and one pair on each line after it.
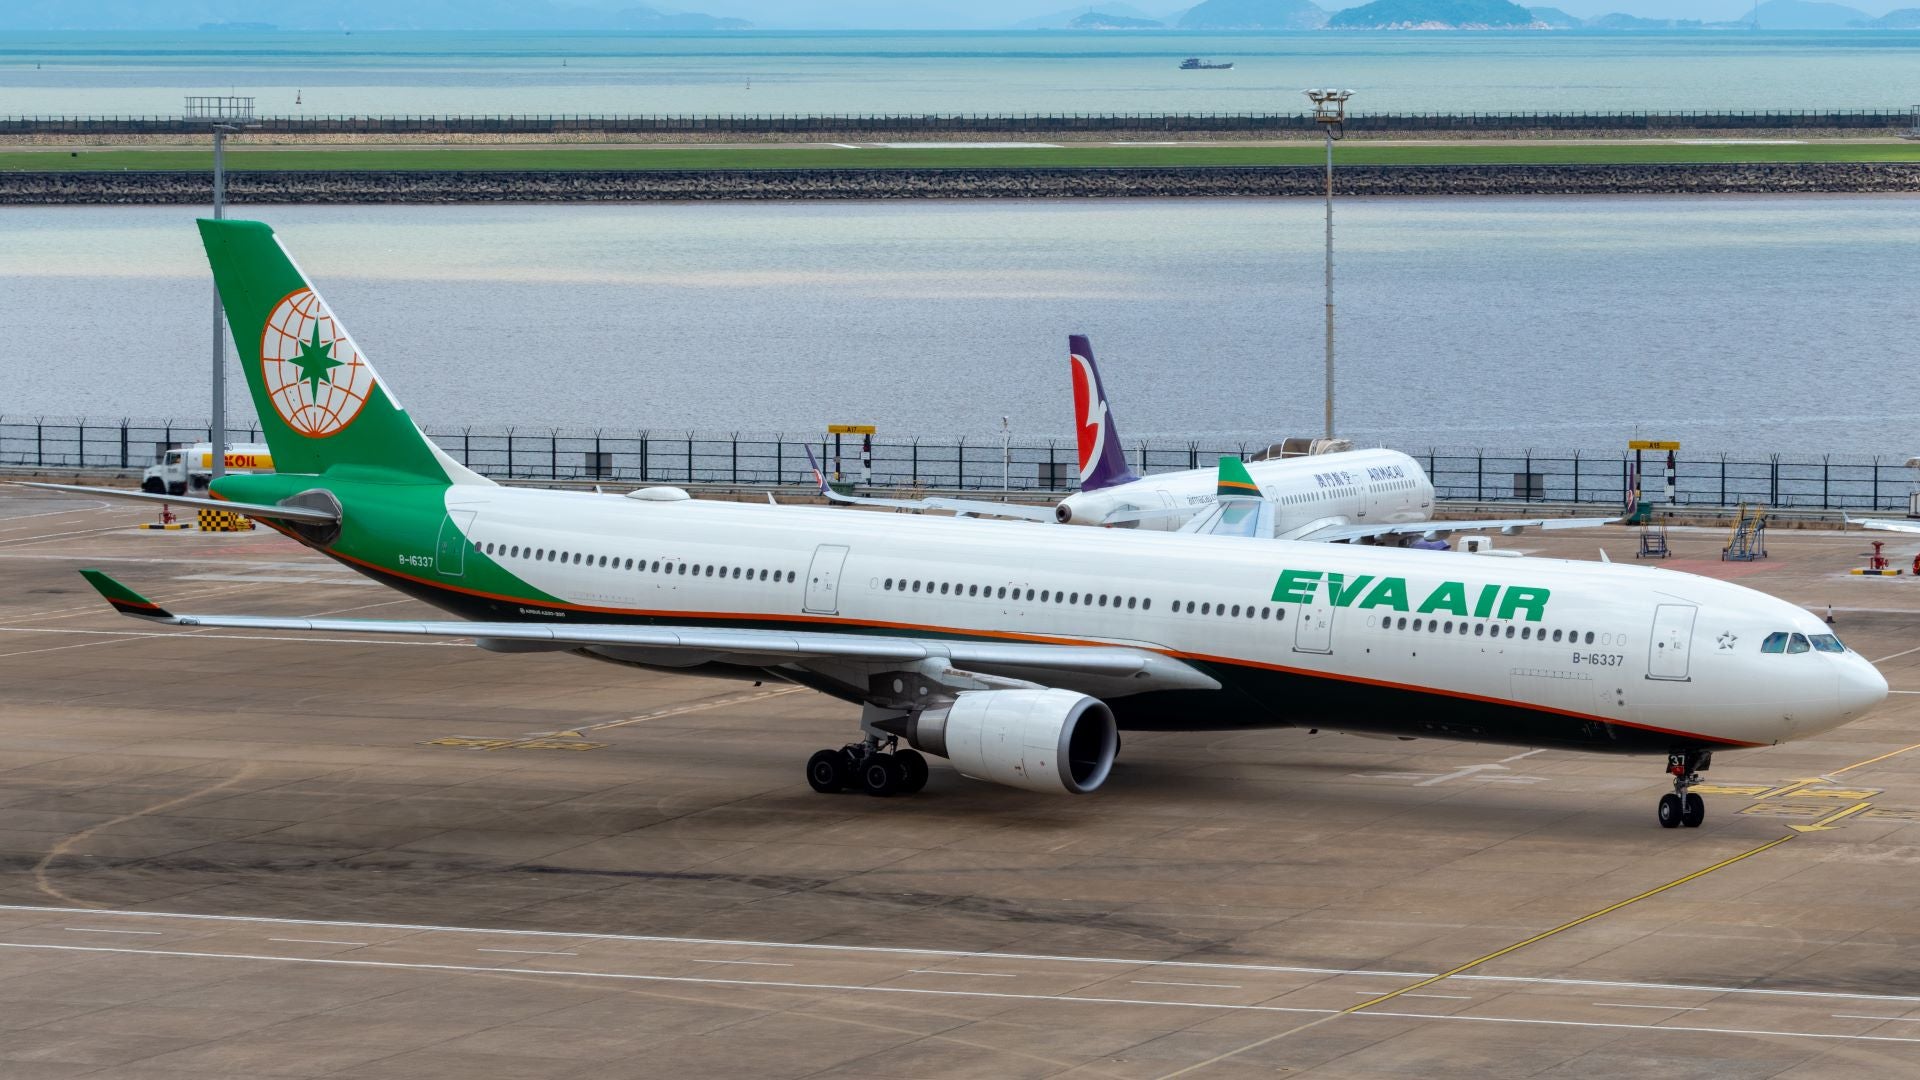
x,y
1353,487
1532,651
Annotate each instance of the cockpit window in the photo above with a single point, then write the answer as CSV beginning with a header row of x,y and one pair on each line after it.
x,y
1797,643
1827,643
1775,643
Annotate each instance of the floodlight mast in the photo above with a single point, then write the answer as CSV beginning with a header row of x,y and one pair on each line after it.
x,y
1330,111
225,115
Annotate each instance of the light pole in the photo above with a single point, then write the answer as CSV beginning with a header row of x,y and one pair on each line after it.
x,y
224,115
1330,110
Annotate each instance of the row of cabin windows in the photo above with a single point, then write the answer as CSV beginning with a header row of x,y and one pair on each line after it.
x,y
1524,633
1222,611
1784,642
575,558
1003,592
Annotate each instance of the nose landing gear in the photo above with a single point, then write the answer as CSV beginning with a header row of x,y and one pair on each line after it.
x,y
1683,807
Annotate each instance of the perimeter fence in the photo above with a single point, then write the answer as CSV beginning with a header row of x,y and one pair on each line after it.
x,y
1023,465
921,124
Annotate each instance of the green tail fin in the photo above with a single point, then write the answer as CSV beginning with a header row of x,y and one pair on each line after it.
x,y
320,402
1235,481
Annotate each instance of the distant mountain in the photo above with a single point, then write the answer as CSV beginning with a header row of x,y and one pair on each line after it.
x,y
1254,15
1065,18
348,14
1555,19
1903,19
1807,15
1433,15
1100,20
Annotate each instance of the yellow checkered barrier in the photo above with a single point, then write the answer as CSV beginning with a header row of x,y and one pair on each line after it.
x,y
224,521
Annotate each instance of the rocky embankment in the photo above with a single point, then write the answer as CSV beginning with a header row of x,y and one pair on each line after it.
x,y
135,188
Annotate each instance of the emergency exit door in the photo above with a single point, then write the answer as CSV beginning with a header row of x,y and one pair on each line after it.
x,y
1670,651
1314,632
450,554
823,579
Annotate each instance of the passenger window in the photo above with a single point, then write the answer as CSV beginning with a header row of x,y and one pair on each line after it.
x,y
888,585
1449,628
916,586
1073,598
1189,607
1003,592
1146,604
1827,643
1103,599
1029,594
1206,609
943,588
682,571
1266,613
1479,629
1417,624
1556,635
973,590
1797,643
1775,643
1131,601
1509,630
1045,595
1589,637
1236,611
789,575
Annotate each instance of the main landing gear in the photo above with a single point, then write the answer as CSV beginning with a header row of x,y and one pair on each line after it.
x,y
1683,807
874,766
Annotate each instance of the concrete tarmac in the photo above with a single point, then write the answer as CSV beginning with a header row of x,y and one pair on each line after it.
x,y
235,854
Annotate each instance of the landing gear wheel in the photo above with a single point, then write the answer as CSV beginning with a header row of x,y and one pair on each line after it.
x,y
913,767
153,485
1693,811
882,775
1670,811
827,771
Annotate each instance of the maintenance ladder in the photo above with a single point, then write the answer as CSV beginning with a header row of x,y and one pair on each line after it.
x,y
1749,539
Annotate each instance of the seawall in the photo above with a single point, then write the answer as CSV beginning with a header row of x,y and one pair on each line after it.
x,y
341,186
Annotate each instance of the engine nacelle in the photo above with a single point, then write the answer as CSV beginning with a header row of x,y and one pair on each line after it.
x,y
1037,740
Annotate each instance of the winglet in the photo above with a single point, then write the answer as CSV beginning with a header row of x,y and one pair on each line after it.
x,y
1235,481
124,600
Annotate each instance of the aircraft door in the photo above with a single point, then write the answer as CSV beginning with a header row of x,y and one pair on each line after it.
x,y
823,579
1669,652
450,553
1314,632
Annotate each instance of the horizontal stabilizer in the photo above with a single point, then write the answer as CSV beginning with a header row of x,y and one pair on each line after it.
x,y
1885,524
253,510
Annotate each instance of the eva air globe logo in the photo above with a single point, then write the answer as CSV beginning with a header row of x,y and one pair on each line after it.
x,y
315,378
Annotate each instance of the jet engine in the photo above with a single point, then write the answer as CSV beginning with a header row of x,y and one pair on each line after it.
x,y
1043,740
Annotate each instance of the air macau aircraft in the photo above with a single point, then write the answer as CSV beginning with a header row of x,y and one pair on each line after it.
x,y
1012,651
1370,496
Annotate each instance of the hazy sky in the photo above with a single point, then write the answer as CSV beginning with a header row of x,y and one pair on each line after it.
x,y
991,13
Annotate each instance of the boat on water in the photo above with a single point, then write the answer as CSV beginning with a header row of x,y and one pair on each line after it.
x,y
1194,63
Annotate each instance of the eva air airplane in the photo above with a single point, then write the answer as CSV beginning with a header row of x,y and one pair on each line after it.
x,y
1014,652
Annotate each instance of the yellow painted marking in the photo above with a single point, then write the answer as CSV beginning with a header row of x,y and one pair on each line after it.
x,y
1477,961
1882,757
681,710
851,429
1786,810
1795,786
1652,444
1826,823
512,744
1732,789
1850,795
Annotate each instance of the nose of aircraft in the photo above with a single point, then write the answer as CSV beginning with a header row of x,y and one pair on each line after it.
x,y
1860,686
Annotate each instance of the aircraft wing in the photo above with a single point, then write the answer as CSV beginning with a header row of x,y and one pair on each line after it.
x,y
253,510
1886,524
1235,517
975,507
1143,669
1510,526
